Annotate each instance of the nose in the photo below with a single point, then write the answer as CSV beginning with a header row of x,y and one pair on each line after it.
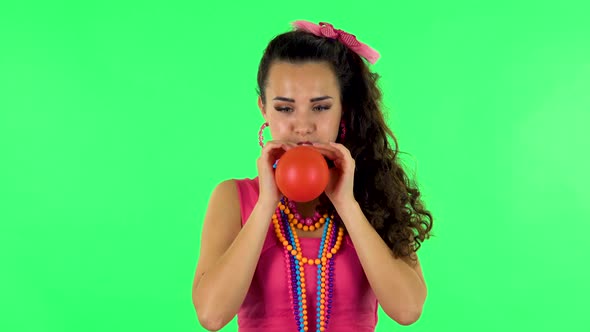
x,y
303,125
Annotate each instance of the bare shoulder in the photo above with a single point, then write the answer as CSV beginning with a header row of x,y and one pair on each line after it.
x,y
224,200
227,191
221,226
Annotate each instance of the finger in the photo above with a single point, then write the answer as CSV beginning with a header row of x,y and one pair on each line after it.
x,y
330,153
341,148
347,161
285,145
274,150
343,157
329,147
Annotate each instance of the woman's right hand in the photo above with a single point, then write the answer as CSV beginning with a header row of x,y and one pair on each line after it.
x,y
272,150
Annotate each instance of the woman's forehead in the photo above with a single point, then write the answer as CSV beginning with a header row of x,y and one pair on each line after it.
x,y
302,79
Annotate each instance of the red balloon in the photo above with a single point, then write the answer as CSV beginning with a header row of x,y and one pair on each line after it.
x,y
302,174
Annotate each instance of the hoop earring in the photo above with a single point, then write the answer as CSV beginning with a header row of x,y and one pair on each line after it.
x,y
260,136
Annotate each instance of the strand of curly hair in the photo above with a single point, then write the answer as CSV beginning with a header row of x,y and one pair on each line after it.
x,y
390,200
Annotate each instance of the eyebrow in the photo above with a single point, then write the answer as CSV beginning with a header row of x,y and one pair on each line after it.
x,y
293,100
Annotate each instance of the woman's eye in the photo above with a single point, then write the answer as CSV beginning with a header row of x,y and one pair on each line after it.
x,y
283,109
289,109
321,108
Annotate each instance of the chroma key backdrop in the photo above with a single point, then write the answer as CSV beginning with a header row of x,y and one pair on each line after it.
x,y
118,118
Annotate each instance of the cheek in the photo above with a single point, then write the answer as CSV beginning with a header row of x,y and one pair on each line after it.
x,y
330,128
279,128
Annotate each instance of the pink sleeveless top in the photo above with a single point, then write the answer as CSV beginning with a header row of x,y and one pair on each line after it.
x,y
267,307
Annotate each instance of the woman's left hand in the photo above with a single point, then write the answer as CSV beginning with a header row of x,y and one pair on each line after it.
x,y
340,185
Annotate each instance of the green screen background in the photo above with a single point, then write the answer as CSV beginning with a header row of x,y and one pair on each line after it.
x,y
117,120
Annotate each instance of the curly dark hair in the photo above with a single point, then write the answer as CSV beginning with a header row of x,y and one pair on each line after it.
x,y
388,199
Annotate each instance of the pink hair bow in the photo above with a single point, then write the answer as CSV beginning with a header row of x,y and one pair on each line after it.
x,y
327,30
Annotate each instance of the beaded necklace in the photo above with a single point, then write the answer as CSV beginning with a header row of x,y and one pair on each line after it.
x,y
295,263
308,224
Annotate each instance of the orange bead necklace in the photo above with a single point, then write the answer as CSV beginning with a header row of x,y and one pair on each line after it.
x,y
285,229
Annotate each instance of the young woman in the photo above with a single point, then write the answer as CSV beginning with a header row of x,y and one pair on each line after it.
x,y
323,265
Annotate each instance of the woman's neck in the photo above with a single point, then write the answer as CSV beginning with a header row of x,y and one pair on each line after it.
x,y
307,209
